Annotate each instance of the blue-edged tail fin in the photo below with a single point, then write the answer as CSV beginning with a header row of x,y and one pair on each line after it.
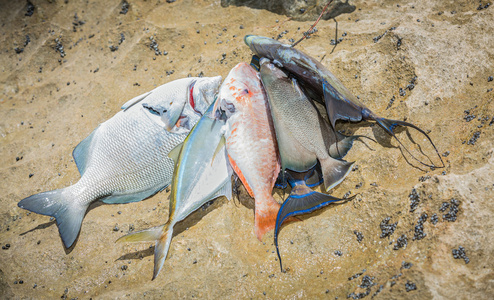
x,y
302,200
389,125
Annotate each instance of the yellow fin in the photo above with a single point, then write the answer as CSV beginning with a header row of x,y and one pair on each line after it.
x,y
175,152
220,146
147,235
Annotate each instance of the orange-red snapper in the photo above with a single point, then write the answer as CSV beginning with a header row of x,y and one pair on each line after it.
x,y
250,141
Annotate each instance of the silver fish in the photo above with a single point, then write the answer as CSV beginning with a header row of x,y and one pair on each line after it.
x,y
125,159
202,173
340,103
303,136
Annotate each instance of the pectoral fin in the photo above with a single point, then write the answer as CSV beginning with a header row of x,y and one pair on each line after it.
x,y
338,107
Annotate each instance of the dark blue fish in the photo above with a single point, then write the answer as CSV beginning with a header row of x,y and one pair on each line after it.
x,y
340,103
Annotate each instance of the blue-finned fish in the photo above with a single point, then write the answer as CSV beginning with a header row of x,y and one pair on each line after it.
x,y
125,159
340,103
303,136
309,147
202,173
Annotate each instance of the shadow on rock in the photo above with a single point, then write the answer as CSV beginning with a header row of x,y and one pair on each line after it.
x,y
180,227
299,10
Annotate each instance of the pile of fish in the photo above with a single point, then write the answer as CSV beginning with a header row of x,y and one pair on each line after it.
x,y
260,124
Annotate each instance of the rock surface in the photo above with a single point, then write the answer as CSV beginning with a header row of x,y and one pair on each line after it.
x,y
67,66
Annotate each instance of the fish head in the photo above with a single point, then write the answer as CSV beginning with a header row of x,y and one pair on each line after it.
x,y
203,93
241,87
263,46
270,72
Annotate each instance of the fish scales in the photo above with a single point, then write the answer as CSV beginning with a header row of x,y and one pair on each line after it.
x,y
202,173
125,159
144,145
250,141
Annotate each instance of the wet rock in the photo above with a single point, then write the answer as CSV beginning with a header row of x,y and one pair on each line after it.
x,y
386,228
460,253
414,200
410,286
125,7
401,242
30,9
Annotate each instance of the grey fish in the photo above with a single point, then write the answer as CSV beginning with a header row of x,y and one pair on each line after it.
x,y
202,173
125,159
303,136
340,103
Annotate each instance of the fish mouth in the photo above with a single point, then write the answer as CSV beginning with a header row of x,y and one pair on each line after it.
x,y
248,39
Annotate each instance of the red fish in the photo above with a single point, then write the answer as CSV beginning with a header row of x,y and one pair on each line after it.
x,y
251,141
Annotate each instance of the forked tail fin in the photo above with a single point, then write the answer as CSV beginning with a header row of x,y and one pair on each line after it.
x,y
162,235
302,200
61,205
389,125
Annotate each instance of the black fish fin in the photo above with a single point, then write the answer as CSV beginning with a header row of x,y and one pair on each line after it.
x,y
338,107
389,125
334,171
302,200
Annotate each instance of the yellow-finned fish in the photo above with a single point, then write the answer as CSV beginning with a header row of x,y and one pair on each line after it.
x,y
125,159
202,173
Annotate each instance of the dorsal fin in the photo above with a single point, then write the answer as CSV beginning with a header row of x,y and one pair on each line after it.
x,y
134,100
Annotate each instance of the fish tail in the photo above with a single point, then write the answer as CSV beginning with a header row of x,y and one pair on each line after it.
x,y
302,200
161,235
334,171
389,125
265,215
61,205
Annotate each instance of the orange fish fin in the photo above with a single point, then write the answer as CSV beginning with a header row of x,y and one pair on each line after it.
x,y
265,218
237,171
